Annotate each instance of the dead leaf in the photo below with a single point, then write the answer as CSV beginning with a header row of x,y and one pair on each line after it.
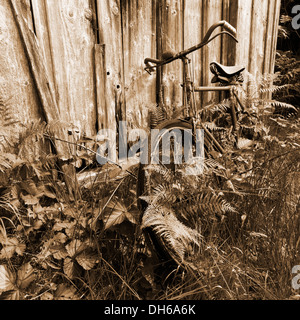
x,y
7,279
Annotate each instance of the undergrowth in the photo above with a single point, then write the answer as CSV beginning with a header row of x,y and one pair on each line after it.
x,y
235,236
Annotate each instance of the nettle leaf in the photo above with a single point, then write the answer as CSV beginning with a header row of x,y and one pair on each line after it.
x,y
74,230
117,214
80,254
7,279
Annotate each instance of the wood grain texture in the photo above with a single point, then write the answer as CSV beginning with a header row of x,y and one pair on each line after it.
x,y
192,36
48,104
17,87
93,53
212,13
172,41
110,35
42,31
72,40
139,42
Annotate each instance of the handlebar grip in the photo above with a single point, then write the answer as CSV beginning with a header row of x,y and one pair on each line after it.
x,y
149,64
230,28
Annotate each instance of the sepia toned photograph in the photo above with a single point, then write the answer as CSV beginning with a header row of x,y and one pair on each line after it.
x,y
150,152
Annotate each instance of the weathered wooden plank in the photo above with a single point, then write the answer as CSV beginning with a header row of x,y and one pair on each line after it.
x,y
17,88
172,40
48,104
110,35
243,32
36,63
101,87
228,46
212,13
256,51
277,5
192,36
42,33
72,42
270,15
139,42
25,7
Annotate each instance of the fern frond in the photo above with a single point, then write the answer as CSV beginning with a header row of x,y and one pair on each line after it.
x,y
7,113
212,126
220,107
176,235
161,170
283,105
157,116
274,89
210,203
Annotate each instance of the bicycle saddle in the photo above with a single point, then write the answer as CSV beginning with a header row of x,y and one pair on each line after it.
x,y
226,74
225,70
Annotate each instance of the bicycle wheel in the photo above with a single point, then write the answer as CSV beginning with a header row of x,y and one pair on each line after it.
x,y
158,187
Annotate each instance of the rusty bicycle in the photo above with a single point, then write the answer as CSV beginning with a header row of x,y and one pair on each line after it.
x,y
174,140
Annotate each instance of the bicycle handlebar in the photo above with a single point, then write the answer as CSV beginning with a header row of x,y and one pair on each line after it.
x,y
230,28
231,31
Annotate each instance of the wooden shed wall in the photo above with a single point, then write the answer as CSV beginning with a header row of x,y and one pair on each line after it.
x,y
93,52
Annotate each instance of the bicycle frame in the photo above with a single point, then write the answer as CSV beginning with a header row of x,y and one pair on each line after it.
x,y
189,88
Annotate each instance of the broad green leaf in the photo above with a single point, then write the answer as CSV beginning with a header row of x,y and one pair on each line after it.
x,y
30,200
7,279
60,237
25,276
59,226
70,268
132,216
10,247
114,218
118,215
30,187
87,259
75,247
7,252
65,292
59,252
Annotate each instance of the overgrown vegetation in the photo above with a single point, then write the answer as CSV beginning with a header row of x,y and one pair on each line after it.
x,y
235,230
243,233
